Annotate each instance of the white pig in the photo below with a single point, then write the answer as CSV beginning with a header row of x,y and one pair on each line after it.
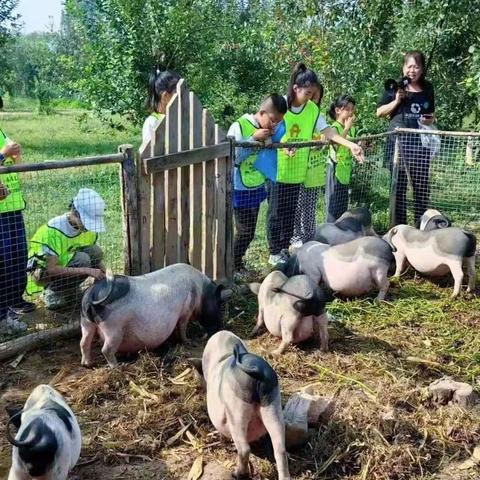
x,y
243,399
292,309
48,442
134,313
435,252
350,269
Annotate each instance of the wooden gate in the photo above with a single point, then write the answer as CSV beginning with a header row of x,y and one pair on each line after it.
x,y
184,192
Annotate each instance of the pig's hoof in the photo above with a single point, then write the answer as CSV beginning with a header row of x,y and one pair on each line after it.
x,y
278,352
87,364
324,349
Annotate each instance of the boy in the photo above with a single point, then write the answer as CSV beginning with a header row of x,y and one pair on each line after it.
x,y
248,182
63,252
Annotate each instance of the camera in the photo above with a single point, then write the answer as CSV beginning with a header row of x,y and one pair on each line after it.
x,y
392,85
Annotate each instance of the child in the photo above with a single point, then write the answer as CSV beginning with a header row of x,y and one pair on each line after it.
x,y
248,182
13,242
305,213
302,120
339,170
161,88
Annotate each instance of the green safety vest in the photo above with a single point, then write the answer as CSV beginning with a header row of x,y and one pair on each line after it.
x,y
14,200
251,177
299,127
342,156
63,246
317,165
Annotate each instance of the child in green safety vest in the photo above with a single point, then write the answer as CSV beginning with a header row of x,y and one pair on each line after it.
x,y
13,242
339,170
302,121
305,213
64,251
248,182
161,88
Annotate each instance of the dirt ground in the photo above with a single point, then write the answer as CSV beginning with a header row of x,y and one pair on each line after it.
x,y
147,419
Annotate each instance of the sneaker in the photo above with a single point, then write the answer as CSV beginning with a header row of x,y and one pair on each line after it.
x,y
10,323
276,259
23,306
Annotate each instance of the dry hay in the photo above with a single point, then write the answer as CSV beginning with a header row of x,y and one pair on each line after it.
x,y
153,411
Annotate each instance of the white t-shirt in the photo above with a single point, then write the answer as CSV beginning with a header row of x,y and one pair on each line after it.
x,y
150,124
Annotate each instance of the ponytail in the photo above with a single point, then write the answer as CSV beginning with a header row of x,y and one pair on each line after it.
x,y
158,83
302,77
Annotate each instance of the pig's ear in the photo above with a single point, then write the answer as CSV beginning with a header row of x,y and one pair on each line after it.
x,y
196,363
14,415
254,287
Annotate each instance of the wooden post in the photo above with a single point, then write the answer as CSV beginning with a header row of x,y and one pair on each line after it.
x,y
229,215
208,197
394,181
184,184
196,197
220,213
128,182
158,208
144,209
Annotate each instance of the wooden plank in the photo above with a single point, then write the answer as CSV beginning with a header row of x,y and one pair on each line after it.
x,y
171,136
189,157
208,197
129,211
220,213
229,218
144,209
184,186
196,201
158,208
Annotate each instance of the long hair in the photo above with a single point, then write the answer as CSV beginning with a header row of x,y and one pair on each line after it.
x,y
303,77
341,102
158,83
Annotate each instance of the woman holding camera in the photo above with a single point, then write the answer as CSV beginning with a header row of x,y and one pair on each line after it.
x,y
407,103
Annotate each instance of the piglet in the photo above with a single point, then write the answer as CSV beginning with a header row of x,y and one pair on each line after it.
x,y
134,313
292,309
243,399
435,252
48,442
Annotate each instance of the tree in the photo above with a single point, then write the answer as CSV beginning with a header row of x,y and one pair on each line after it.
x,y
8,28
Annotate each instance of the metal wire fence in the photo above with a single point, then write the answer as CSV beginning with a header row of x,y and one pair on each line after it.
x,y
59,230
405,172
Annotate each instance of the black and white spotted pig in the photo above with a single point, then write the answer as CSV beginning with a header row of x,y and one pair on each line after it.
x,y
432,220
350,269
243,399
134,313
354,223
48,442
435,252
292,309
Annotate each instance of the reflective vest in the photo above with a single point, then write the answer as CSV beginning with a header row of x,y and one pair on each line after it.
x,y
299,127
14,200
342,156
63,246
317,165
250,176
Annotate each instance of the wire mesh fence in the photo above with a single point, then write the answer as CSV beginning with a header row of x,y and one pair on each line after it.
x,y
59,230
305,184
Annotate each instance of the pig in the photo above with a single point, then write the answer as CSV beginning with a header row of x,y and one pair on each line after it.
x,y
48,441
354,223
134,313
350,269
435,252
292,309
243,399
432,219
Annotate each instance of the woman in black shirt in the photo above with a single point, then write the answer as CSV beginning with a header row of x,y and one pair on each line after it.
x,y
405,108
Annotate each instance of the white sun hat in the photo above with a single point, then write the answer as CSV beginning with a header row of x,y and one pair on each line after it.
x,y
91,208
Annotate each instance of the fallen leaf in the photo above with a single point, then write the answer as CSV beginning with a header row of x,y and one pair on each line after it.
x,y
197,469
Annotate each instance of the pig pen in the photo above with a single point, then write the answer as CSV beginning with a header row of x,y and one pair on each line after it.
x,y
148,418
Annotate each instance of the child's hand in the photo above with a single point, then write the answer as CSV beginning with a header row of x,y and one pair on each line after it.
x,y
357,152
290,151
262,134
11,150
349,122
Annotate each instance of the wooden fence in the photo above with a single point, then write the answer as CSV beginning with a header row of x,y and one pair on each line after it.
x,y
184,192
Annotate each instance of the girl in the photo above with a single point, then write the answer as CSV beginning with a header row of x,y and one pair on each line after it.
x,y
339,170
305,213
302,120
161,88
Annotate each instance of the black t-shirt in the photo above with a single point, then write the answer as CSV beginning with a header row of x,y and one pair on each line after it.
x,y
414,105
